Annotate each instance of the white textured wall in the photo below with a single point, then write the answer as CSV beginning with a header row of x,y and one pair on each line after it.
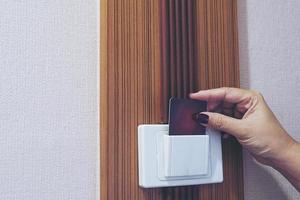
x,y
269,36
48,99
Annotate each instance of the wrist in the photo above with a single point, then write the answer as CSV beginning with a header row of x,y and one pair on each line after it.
x,y
289,165
288,155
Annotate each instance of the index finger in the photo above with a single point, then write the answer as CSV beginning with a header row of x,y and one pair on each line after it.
x,y
226,94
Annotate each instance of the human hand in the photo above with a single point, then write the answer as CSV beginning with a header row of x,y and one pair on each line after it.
x,y
255,126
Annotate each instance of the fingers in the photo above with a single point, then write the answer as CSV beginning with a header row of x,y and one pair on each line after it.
x,y
228,98
226,124
226,94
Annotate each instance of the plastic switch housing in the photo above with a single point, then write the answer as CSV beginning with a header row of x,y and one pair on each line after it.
x,y
178,160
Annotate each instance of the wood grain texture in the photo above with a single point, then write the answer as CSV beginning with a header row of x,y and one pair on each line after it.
x,y
179,58
150,51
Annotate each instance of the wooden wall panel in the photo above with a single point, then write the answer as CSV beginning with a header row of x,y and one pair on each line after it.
x,y
152,50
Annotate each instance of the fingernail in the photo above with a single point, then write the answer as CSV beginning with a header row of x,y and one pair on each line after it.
x,y
201,118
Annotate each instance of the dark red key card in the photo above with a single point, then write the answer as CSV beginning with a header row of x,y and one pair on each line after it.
x,y
182,116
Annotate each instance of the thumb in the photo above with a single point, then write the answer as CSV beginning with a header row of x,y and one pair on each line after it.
x,y
224,123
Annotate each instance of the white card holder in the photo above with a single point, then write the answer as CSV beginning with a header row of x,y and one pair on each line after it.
x,y
182,156
178,160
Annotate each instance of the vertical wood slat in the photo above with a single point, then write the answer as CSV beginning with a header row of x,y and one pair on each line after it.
x,y
103,102
130,91
218,64
136,43
178,50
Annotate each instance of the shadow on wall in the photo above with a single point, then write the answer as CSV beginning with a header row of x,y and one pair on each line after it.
x,y
258,179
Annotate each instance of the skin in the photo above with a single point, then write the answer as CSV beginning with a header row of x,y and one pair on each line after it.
x,y
255,127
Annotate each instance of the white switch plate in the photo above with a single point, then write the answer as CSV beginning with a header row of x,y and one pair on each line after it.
x,y
178,151
152,168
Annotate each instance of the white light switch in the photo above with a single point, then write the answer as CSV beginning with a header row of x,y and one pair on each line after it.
x,y
186,155
166,160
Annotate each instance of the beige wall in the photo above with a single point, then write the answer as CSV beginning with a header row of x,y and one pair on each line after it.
x,y
48,99
269,36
